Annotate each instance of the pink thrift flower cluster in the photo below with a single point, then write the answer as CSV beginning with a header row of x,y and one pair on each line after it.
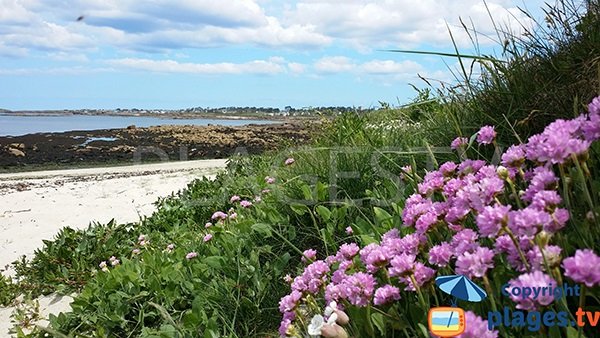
x,y
466,217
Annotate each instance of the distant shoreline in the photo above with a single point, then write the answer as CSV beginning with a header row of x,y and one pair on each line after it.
x,y
166,115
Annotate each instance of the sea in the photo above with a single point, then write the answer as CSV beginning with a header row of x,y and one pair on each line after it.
x,y
22,125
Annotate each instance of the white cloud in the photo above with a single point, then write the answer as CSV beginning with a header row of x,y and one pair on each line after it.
x,y
13,12
78,70
403,23
384,71
66,56
157,26
12,51
334,64
261,67
164,25
296,68
386,67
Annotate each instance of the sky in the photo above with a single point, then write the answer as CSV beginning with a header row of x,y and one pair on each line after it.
x,y
171,54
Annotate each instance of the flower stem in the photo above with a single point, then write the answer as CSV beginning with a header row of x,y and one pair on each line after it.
x,y
514,191
518,247
546,265
488,289
586,191
582,296
419,294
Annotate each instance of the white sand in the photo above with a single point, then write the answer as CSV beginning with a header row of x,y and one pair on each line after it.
x,y
35,205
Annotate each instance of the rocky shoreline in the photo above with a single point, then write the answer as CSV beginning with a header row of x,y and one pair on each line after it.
x,y
135,145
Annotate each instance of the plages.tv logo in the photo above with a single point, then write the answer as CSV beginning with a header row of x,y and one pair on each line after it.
x,y
450,321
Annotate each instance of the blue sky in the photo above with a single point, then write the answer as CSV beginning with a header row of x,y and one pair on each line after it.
x,y
209,53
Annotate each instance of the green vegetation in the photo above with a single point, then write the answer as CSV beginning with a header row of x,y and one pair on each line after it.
x,y
174,275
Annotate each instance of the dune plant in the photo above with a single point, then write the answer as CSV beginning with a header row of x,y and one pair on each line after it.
x,y
532,221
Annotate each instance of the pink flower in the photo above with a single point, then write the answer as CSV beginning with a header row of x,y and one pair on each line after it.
x,y
559,140
475,264
486,135
402,265
219,215
246,204
459,142
464,241
386,294
349,230
584,267
347,251
208,225
358,288
542,179
448,168
233,215
528,221
514,156
492,219
289,161
289,302
591,127
191,255
422,274
234,198
208,237
170,247
312,278
440,254
270,180
531,280
309,255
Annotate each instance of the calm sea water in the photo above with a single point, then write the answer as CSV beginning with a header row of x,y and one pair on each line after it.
x,y
22,125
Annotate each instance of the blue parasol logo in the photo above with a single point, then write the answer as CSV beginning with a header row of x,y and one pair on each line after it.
x,y
461,287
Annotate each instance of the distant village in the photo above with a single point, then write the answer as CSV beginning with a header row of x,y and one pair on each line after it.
x,y
225,112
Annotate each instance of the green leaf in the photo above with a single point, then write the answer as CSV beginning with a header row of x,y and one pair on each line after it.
x,y
554,332
321,191
472,139
298,208
306,192
378,320
424,330
366,240
323,212
381,216
572,333
215,262
262,228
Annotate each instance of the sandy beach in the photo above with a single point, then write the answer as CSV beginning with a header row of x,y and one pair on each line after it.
x,y
35,205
